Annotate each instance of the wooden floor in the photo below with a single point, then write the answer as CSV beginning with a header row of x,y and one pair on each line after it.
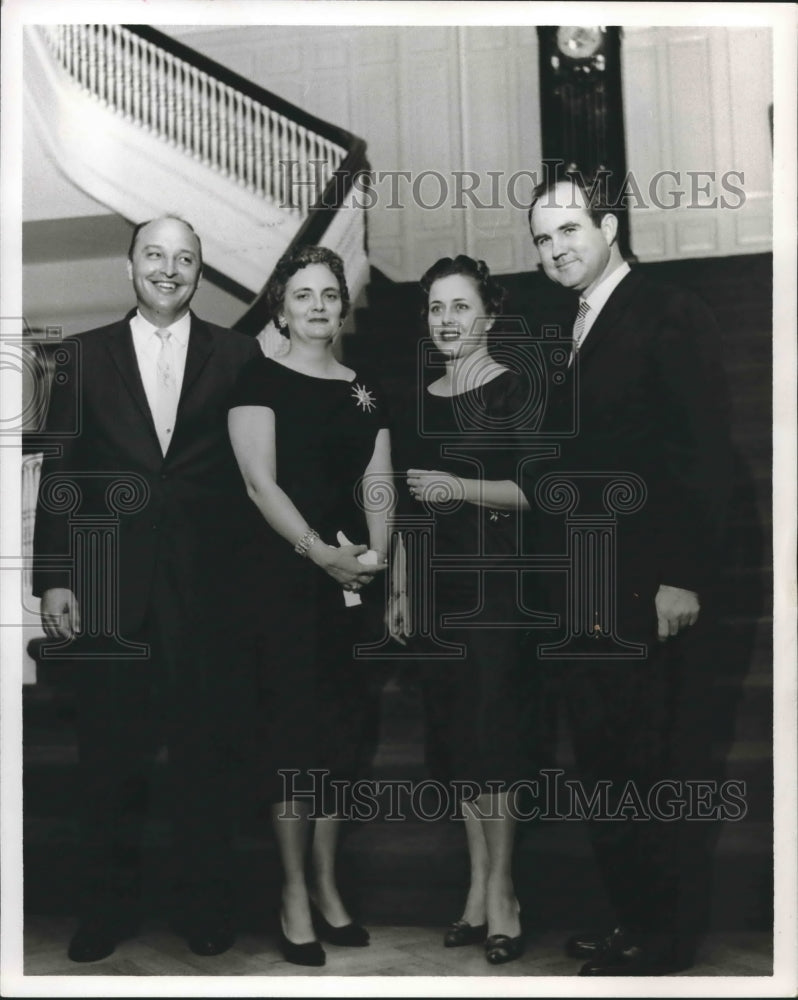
x,y
394,951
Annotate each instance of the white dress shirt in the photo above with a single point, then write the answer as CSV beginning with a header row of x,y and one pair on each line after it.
x,y
598,297
147,345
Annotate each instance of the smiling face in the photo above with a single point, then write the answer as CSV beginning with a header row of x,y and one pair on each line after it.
x,y
574,251
312,304
164,266
457,318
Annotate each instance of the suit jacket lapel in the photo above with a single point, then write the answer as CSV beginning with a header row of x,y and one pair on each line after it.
x,y
120,347
608,318
200,348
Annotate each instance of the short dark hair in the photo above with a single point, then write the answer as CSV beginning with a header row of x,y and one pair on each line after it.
x,y
139,226
294,261
493,294
595,188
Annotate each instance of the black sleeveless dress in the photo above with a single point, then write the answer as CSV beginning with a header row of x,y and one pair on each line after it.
x,y
317,707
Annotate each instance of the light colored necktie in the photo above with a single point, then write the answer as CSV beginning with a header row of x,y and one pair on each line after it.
x,y
165,391
579,328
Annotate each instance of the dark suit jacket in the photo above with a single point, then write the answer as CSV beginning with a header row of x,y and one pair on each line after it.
x,y
651,400
187,509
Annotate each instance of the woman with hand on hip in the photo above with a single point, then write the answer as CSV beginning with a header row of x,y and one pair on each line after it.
x,y
306,430
476,726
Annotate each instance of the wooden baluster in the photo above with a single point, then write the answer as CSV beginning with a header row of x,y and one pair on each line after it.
x,y
152,77
55,39
232,134
191,112
269,158
213,113
160,89
91,46
100,47
257,149
108,72
135,82
119,70
199,138
284,178
241,139
186,108
205,104
235,135
303,169
220,96
128,93
176,88
224,130
173,100
73,51
144,76
169,97
66,46
296,195
82,58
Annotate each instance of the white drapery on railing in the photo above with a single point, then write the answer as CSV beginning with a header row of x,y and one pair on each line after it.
x,y
263,151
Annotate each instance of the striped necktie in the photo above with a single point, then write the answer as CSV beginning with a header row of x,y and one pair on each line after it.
x,y
579,328
166,390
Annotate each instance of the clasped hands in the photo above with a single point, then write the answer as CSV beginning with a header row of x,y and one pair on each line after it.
x,y
343,566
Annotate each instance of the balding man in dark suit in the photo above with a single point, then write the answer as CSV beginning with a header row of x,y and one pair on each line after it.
x,y
148,396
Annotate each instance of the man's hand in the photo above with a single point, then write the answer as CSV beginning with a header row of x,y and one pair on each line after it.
x,y
60,613
676,609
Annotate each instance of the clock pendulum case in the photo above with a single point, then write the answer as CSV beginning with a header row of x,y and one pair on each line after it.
x,y
581,105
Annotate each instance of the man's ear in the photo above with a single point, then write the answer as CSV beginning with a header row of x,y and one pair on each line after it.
x,y
129,268
609,227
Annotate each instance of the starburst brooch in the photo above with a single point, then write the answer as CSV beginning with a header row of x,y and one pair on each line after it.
x,y
364,398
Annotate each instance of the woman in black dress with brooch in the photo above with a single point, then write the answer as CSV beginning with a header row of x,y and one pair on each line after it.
x,y
306,430
475,707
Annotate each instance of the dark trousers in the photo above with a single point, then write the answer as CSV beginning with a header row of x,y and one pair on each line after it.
x,y
189,697
648,723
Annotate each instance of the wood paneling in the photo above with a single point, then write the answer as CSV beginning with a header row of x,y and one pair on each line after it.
x,y
696,100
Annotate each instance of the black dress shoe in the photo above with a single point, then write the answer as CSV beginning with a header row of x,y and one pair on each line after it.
x,y
210,939
634,960
351,935
310,953
587,944
499,948
96,938
462,933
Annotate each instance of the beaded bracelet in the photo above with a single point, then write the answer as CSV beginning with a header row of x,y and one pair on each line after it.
x,y
305,541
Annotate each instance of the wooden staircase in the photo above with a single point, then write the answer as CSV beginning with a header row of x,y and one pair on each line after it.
x,y
415,871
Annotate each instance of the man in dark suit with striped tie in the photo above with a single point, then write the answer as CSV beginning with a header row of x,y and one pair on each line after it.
x,y
652,409
147,626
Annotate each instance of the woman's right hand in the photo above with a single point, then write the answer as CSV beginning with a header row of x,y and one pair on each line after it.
x,y
342,564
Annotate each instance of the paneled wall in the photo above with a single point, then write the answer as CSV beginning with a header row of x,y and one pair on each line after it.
x,y
433,102
446,100
696,103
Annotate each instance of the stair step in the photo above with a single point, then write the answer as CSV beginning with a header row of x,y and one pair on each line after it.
x,y
416,873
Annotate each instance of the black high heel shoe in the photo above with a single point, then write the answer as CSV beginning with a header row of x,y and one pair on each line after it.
x,y
462,933
499,948
310,953
351,935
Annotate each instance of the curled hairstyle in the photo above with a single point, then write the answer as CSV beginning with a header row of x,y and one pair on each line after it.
x,y
295,261
139,226
595,189
490,291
